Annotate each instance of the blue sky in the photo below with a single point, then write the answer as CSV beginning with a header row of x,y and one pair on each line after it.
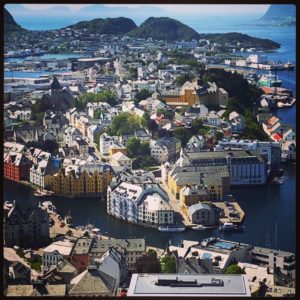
x,y
176,9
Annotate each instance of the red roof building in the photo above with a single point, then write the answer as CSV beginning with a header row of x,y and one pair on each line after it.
x,y
16,166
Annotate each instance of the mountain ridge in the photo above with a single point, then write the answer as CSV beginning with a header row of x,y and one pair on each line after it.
x,y
164,28
10,25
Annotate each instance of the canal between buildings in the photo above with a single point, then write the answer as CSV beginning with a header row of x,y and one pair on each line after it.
x,y
264,206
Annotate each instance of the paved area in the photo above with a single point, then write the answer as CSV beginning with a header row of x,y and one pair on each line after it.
x,y
57,229
227,218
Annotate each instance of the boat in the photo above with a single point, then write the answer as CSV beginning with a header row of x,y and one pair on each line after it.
x,y
289,66
277,180
68,220
49,206
239,228
42,193
8,204
172,228
226,227
202,227
269,80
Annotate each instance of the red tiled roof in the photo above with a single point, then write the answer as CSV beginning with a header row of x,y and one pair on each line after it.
x,y
277,137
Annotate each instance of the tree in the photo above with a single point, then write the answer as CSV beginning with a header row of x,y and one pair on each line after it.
x,y
141,95
133,146
168,264
125,123
147,264
152,252
183,135
234,269
168,114
144,161
162,132
196,125
219,135
181,79
152,126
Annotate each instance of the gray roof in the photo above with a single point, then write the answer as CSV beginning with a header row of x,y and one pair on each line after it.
x,y
82,245
198,206
193,265
126,244
92,282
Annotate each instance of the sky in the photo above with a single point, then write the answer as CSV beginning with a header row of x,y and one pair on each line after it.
x,y
177,9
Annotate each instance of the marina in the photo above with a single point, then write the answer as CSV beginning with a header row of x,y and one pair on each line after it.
x,y
278,201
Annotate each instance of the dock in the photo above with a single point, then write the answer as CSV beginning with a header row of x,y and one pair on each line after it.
x,y
226,218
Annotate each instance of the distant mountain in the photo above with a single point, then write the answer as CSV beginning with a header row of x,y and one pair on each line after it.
x,y
139,14
164,29
279,15
10,24
280,11
106,26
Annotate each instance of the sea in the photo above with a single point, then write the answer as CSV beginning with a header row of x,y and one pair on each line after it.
x,y
266,207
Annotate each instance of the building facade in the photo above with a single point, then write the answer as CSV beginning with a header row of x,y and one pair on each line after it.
x,y
82,182
26,228
141,204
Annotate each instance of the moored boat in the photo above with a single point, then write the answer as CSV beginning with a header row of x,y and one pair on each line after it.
x,y
172,228
68,220
202,227
227,226
269,80
289,66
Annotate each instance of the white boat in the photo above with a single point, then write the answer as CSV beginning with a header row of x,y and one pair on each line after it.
x,y
68,220
202,227
49,206
42,193
226,227
8,204
174,228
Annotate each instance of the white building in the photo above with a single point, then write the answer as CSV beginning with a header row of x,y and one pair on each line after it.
x,y
288,150
94,106
105,142
164,149
275,258
237,122
56,251
188,285
270,150
71,134
144,204
159,151
40,173
213,119
120,159
112,263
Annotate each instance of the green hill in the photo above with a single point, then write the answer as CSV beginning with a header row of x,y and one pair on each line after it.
x,y
10,24
106,26
164,29
244,39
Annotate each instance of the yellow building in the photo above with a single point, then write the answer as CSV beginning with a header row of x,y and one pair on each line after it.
x,y
190,195
195,92
117,148
215,180
75,183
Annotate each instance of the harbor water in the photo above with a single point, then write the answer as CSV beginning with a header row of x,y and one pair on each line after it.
x,y
264,206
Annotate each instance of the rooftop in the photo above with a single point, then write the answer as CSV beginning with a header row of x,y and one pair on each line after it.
x,y
189,285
